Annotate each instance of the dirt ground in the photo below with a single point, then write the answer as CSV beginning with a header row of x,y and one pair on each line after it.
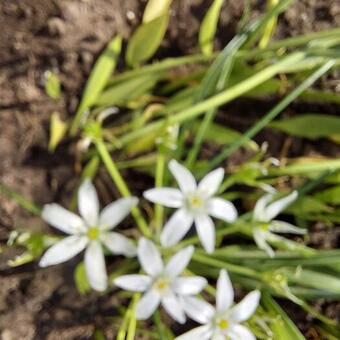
x,y
65,36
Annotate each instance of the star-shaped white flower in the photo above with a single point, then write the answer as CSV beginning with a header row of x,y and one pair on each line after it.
x,y
265,226
223,321
195,203
90,231
163,283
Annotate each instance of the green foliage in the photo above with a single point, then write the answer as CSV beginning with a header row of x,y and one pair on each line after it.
x,y
58,129
126,91
331,195
99,76
167,112
52,85
282,327
155,9
80,279
33,243
146,40
312,126
313,279
209,26
149,35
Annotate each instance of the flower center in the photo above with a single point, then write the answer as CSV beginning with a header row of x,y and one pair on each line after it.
x,y
161,284
223,324
195,202
264,227
93,233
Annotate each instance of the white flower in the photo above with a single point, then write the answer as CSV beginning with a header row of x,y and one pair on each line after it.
x,y
223,321
195,203
162,284
90,231
265,226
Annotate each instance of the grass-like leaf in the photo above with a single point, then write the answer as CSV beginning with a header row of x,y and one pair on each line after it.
x,y
98,78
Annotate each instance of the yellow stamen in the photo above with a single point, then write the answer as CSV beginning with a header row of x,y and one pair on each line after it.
x,y
93,233
264,226
161,284
223,324
195,201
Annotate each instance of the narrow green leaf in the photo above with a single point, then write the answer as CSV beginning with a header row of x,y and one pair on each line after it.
x,y
331,195
269,29
313,279
19,199
130,89
208,27
80,279
155,9
307,205
282,326
146,40
218,74
52,85
266,119
215,101
58,129
310,126
99,76
223,135
306,166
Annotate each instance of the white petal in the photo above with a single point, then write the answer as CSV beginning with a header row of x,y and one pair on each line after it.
x,y
149,257
118,244
198,333
88,203
95,266
260,240
218,336
176,228
278,206
63,250
284,227
134,283
147,304
179,261
197,309
169,197
173,307
222,209
224,293
246,308
260,208
183,176
62,219
115,212
239,332
211,182
190,285
206,232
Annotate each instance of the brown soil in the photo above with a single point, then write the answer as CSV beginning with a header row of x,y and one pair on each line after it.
x,y
65,36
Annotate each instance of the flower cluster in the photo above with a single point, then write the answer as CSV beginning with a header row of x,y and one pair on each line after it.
x,y
168,284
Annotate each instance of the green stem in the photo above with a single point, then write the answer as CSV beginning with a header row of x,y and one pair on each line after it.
x,y
217,100
205,259
19,199
161,66
133,321
163,331
128,326
159,210
270,26
121,185
271,114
